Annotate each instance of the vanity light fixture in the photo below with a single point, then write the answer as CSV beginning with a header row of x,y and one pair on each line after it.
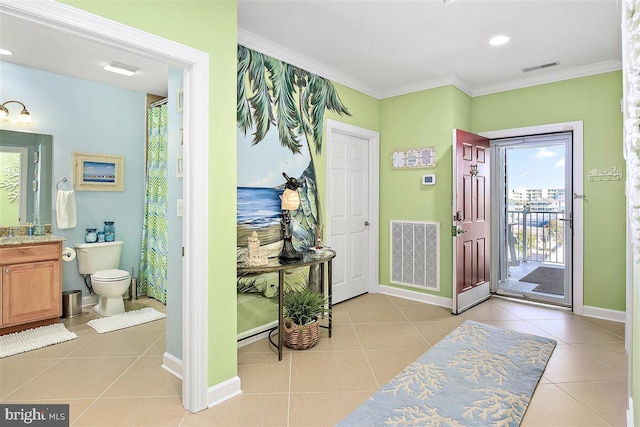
x,y
125,70
23,119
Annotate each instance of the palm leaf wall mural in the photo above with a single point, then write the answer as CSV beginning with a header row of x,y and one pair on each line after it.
x,y
275,95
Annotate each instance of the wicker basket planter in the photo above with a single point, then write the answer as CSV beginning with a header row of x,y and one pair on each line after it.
x,y
300,337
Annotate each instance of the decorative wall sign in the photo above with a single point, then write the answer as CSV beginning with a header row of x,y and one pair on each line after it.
x,y
414,158
610,174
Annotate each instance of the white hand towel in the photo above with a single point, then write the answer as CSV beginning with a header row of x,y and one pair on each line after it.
x,y
66,213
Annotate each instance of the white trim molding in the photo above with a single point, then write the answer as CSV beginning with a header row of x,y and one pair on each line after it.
x,y
416,296
262,45
268,47
578,187
76,22
604,313
223,391
373,138
172,364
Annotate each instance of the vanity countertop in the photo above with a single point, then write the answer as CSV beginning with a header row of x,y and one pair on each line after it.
x,y
30,240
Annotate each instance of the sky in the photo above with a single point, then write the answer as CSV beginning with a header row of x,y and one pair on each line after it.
x,y
538,167
261,165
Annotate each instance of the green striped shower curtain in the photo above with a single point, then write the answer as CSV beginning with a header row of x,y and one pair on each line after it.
x,y
153,259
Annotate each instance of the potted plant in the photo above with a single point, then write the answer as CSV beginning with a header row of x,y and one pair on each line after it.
x,y
302,308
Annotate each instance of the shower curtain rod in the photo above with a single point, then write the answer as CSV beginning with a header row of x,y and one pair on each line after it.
x,y
162,101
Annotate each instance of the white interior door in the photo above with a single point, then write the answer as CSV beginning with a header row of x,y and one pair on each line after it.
x,y
350,223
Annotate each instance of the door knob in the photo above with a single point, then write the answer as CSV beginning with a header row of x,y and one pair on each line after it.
x,y
366,223
458,231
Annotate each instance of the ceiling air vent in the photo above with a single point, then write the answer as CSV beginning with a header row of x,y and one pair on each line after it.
x,y
540,67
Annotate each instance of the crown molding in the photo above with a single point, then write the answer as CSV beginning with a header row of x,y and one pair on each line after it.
x,y
453,80
550,77
262,45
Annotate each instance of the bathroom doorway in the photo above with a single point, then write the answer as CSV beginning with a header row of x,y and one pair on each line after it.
x,y
63,19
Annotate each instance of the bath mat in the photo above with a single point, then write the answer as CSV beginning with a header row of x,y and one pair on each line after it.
x,y
478,375
32,339
125,320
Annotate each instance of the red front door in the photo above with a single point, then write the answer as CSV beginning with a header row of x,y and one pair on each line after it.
x,y
471,226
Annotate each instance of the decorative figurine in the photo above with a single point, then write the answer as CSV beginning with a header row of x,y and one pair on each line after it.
x,y
256,255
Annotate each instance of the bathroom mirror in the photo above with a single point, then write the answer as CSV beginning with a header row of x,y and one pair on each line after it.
x,y
25,177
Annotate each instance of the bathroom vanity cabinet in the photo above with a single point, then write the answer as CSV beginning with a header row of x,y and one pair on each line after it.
x,y
31,284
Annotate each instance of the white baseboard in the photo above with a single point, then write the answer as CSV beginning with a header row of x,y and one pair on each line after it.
x,y
630,420
172,364
223,391
604,313
416,296
596,312
89,300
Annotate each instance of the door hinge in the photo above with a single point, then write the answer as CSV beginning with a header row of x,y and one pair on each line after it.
x,y
183,251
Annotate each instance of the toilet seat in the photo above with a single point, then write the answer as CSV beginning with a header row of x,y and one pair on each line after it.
x,y
112,275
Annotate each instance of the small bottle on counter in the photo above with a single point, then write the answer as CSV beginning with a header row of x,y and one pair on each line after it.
x,y
109,231
30,230
38,227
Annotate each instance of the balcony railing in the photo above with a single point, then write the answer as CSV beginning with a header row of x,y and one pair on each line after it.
x,y
535,236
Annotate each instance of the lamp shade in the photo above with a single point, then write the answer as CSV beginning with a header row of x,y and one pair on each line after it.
x,y
290,200
24,118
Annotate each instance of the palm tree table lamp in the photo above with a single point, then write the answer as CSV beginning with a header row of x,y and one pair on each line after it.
x,y
290,202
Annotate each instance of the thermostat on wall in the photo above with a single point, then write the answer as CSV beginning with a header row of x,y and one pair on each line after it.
x,y
428,179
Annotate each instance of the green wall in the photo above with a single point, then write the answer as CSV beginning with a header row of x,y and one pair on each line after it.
x,y
426,119
420,119
210,26
596,101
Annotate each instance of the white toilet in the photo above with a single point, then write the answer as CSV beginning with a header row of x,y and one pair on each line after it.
x,y
101,261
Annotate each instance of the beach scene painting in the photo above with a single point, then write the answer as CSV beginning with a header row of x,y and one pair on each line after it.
x,y
99,172
280,114
260,185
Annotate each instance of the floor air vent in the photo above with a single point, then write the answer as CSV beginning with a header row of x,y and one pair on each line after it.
x,y
415,254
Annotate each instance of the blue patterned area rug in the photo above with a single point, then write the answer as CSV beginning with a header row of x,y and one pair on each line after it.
x,y
478,375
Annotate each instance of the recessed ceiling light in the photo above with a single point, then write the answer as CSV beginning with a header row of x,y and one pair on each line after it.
x,y
5,52
125,70
499,40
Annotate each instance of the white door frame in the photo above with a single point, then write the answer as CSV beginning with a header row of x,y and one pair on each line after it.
x,y
69,20
578,188
373,138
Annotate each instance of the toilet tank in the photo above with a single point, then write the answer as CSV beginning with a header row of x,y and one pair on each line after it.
x,y
94,257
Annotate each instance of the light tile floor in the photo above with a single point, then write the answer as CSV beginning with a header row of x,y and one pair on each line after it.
x,y
116,380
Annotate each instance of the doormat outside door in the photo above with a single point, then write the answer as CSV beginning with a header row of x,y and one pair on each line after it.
x,y
550,280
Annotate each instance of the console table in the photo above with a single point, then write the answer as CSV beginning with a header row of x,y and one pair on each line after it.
x,y
309,259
